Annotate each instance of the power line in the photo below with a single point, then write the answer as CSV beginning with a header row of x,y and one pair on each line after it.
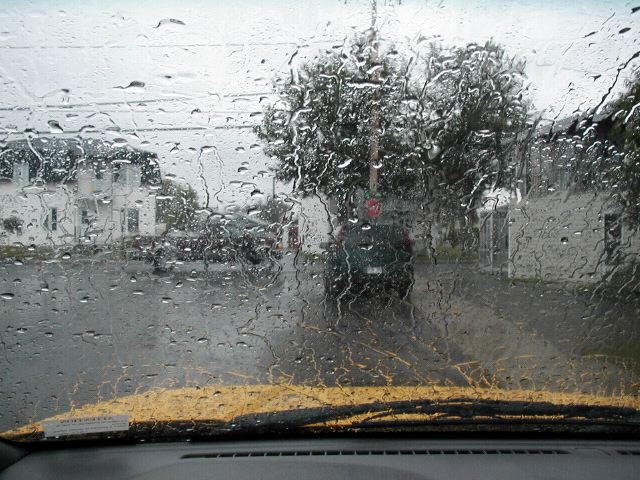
x,y
75,110
249,94
65,106
132,130
169,45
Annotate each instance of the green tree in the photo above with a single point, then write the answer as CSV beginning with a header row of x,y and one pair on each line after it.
x,y
447,122
472,106
273,210
12,224
320,133
176,206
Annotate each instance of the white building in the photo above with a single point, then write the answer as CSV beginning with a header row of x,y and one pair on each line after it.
x,y
568,236
564,225
66,191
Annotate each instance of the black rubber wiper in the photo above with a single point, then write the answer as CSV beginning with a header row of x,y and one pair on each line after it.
x,y
451,412
460,414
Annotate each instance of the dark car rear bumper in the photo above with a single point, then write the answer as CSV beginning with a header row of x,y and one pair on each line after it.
x,y
358,280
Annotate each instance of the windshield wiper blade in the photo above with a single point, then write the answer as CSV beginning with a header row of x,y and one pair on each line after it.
x,y
457,412
453,411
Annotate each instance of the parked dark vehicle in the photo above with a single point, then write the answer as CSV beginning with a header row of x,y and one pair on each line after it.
x,y
189,248
221,242
368,257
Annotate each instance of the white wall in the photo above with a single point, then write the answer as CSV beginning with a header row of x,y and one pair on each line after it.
x,y
561,237
102,198
32,205
140,198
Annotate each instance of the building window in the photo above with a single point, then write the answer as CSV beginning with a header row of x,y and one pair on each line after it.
x,y
128,175
52,219
612,237
131,220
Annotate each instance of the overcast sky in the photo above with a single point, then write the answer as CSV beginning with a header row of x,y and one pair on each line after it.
x,y
187,79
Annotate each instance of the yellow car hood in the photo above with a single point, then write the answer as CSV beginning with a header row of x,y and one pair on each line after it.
x,y
224,403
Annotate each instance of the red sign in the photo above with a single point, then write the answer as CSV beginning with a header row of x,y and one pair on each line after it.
x,y
374,207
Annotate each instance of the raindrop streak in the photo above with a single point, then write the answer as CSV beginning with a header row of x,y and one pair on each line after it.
x,y
169,21
54,126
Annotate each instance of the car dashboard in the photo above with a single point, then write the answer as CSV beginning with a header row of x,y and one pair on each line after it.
x,y
349,458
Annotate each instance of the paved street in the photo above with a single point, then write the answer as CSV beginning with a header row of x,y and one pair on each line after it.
x,y
75,333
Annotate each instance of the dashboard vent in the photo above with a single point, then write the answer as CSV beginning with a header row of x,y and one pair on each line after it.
x,y
628,452
306,453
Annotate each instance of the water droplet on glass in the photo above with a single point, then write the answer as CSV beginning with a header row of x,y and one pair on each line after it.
x,y
54,126
169,21
346,163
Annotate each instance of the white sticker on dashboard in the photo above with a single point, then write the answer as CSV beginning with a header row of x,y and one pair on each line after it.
x,y
84,425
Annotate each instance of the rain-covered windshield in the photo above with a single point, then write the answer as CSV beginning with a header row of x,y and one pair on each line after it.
x,y
220,213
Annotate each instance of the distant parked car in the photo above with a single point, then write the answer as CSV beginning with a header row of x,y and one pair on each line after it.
x,y
230,241
369,257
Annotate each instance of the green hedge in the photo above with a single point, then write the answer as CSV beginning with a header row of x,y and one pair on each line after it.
x,y
446,254
12,252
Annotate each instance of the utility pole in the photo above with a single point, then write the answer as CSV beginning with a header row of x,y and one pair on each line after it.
x,y
374,149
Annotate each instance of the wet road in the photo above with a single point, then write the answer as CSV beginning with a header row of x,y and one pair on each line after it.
x,y
77,333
